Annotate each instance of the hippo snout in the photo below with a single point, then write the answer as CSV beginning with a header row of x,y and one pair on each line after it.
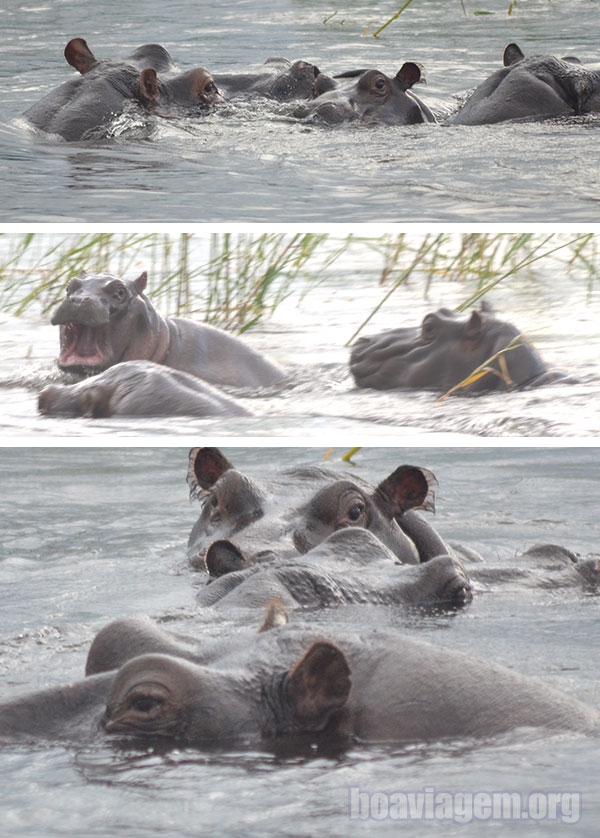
x,y
84,310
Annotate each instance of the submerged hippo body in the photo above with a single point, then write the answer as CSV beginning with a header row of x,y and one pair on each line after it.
x,y
277,79
302,680
137,388
105,320
296,510
444,351
532,88
372,97
350,567
82,106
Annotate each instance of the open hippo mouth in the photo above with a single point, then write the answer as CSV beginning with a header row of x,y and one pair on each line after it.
x,y
84,347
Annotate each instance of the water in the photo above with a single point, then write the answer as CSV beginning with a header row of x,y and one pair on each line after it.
x,y
91,534
558,310
252,163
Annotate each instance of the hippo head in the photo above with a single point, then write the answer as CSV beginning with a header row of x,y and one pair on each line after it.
x,y
445,351
189,91
374,97
101,318
242,522
186,92
157,695
296,83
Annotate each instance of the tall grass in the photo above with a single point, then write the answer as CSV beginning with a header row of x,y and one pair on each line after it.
x,y
239,279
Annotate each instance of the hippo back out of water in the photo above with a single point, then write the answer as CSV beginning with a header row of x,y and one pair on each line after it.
x,y
137,388
277,79
532,88
444,351
81,106
105,320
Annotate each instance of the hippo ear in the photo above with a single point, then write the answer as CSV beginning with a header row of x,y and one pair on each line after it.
x,y
139,284
95,402
511,55
206,465
149,85
474,324
409,487
318,686
410,73
223,557
79,55
275,615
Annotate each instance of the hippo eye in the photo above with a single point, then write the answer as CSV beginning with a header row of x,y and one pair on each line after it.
x,y
146,703
380,84
355,512
119,293
214,502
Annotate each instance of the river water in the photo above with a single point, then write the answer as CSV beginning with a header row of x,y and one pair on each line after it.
x,y
558,309
252,163
91,534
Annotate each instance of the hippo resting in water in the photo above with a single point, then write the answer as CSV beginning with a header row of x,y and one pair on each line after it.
x,y
82,105
350,567
137,388
104,320
444,351
322,685
296,510
532,88
372,97
277,79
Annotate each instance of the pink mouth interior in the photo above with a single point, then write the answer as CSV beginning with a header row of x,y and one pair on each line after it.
x,y
82,345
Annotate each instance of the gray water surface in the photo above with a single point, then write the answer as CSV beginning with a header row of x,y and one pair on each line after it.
x,y
251,162
93,534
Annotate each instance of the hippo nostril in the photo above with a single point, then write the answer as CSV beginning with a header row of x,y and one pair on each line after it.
x,y
263,556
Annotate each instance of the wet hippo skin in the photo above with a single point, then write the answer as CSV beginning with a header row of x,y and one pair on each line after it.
x,y
277,79
86,103
444,351
104,320
298,680
137,388
351,567
297,509
532,88
372,97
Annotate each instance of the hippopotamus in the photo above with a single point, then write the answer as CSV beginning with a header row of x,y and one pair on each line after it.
x,y
277,79
532,88
545,566
137,388
372,97
293,512
300,680
78,108
350,567
446,350
104,320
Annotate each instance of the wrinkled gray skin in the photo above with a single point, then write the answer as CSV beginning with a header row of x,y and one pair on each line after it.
x,y
300,680
445,350
137,388
532,88
81,106
105,320
373,97
350,567
293,512
277,79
